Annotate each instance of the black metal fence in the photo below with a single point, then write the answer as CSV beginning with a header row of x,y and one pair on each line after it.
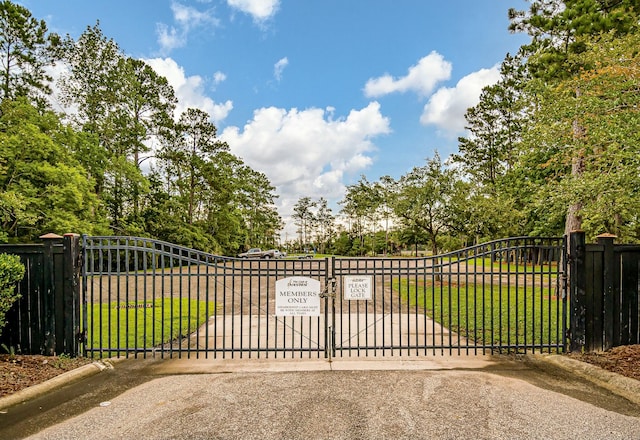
x,y
505,296
142,297
46,318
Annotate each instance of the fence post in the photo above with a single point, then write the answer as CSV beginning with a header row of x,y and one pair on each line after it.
x,y
609,304
49,291
577,291
71,295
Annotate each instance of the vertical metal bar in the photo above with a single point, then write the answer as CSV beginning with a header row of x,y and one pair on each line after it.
x,y
458,312
145,303
415,313
109,298
259,263
154,274
215,301
207,313
331,268
491,295
199,261
508,329
564,263
163,297
529,258
434,316
475,299
87,256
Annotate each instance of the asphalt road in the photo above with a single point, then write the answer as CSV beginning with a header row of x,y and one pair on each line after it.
x,y
458,398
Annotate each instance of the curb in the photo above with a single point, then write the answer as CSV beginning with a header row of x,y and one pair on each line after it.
x,y
57,382
616,383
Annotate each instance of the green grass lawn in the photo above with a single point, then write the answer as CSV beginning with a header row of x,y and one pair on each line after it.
x,y
127,326
490,314
487,265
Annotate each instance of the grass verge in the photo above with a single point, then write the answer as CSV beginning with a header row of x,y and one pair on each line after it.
x,y
117,327
491,314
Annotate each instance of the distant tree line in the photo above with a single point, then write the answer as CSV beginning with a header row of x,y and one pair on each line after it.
x,y
84,170
553,147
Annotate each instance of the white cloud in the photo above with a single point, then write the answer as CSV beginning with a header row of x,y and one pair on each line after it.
x,y
190,89
186,18
219,77
421,78
447,106
260,10
307,152
278,68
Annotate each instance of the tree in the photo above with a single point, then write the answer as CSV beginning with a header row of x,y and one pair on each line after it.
x,y
91,87
361,204
560,31
607,188
254,196
495,127
43,188
124,103
195,144
424,200
385,189
11,273
24,53
303,217
324,225
145,109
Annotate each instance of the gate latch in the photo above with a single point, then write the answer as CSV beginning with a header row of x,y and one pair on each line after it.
x,y
330,289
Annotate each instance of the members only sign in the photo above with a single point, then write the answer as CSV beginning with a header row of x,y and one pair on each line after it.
x,y
356,287
297,296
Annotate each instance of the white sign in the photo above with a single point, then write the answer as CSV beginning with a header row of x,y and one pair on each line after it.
x,y
357,287
297,296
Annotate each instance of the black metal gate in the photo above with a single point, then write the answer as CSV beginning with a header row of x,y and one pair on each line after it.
x,y
146,297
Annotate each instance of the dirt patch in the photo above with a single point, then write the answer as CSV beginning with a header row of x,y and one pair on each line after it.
x,y
624,360
21,371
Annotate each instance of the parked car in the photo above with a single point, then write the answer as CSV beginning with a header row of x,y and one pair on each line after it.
x,y
259,253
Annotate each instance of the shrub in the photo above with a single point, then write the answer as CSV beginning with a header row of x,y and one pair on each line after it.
x,y
11,272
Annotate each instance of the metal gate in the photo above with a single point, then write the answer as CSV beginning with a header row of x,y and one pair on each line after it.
x,y
145,297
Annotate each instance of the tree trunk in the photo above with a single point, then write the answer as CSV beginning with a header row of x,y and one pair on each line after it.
x,y
574,220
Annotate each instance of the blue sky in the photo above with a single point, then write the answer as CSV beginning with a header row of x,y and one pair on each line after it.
x,y
314,93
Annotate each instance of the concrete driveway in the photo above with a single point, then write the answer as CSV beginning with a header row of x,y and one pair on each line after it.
x,y
425,398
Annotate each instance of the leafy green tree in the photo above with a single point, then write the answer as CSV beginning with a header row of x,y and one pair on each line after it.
x,y
304,219
495,127
557,28
255,200
196,143
385,190
24,53
343,244
361,204
606,190
325,228
88,86
43,188
209,190
560,32
124,103
11,273
424,200
145,108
